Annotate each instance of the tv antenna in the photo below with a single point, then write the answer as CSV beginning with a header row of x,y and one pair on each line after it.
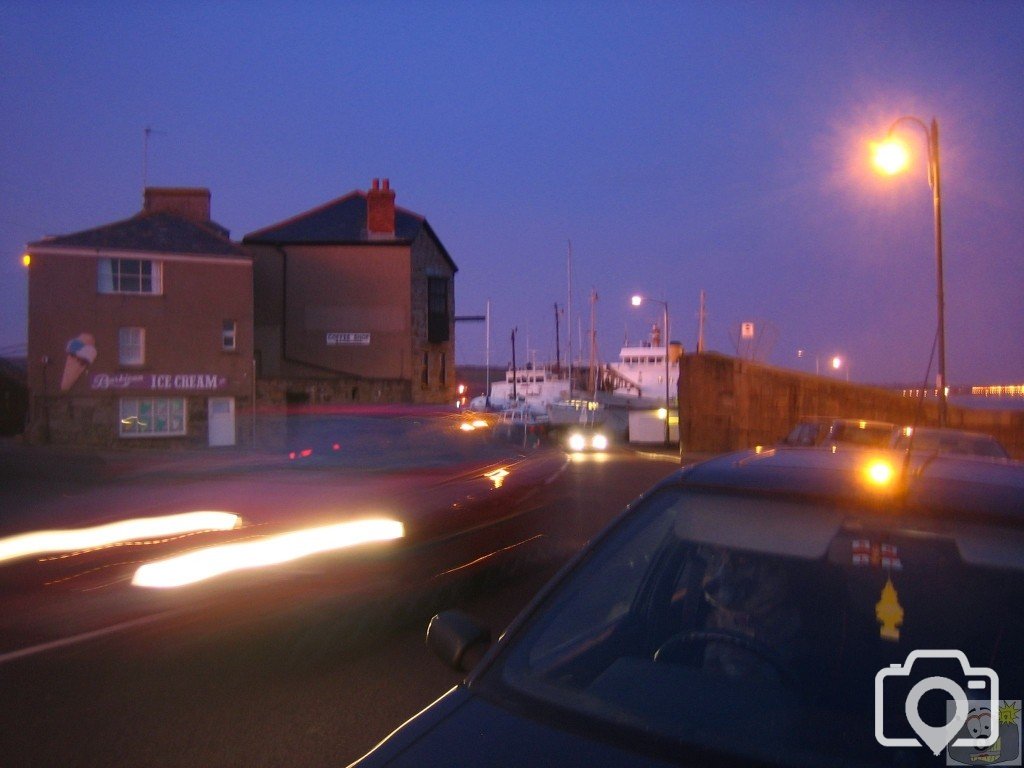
x,y
146,133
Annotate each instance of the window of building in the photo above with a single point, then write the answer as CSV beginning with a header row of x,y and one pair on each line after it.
x,y
425,373
438,319
442,374
130,276
152,416
131,346
228,332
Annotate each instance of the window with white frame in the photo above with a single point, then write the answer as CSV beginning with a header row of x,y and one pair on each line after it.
x,y
130,276
152,416
131,346
228,335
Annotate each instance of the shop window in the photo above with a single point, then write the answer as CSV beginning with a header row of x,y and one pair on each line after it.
x,y
152,417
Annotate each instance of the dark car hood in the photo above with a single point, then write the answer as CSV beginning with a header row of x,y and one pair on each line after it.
x,y
463,729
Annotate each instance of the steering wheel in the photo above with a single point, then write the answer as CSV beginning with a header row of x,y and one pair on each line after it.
x,y
671,651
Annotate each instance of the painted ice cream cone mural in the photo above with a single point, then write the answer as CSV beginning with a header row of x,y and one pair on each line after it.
x,y
81,354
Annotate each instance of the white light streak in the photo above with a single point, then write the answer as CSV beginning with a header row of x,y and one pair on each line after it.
x,y
143,528
209,562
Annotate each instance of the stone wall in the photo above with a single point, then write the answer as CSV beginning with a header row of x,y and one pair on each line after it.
x,y
728,404
334,390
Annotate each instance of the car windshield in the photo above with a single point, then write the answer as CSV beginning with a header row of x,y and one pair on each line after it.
x,y
757,627
866,433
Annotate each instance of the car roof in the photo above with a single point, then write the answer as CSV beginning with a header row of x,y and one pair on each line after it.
x,y
938,483
946,431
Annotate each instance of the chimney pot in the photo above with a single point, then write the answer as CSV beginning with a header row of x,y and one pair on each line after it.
x,y
380,210
188,202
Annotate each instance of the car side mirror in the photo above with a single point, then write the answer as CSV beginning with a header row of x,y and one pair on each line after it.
x,y
457,639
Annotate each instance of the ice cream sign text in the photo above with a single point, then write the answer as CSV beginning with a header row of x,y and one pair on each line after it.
x,y
192,382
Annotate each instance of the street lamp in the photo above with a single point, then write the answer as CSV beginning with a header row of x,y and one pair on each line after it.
x,y
891,157
637,301
838,362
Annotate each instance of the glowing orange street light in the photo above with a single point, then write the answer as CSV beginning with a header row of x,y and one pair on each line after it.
x,y
837,363
891,156
26,259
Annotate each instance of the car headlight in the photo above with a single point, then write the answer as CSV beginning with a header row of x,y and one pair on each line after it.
x,y
599,442
577,442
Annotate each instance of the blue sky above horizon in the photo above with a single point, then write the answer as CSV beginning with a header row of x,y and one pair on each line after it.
x,y
679,146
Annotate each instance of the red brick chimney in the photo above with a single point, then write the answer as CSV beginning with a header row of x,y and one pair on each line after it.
x,y
191,203
380,210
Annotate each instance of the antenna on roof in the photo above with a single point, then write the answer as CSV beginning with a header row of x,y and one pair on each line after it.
x,y
146,133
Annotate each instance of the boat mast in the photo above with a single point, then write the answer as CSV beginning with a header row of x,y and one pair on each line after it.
x,y
558,352
592,376
487,357
568,314
515,371
700,324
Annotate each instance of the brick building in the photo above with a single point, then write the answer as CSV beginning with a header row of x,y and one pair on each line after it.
x,y
141,330
354,302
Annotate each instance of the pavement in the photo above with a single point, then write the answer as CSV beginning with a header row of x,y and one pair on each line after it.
x,y
19,460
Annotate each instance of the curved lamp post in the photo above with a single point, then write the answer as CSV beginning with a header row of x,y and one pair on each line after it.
x,y
891,157
637,301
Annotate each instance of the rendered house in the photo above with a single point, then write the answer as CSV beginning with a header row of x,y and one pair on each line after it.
x,y
141,330
354,302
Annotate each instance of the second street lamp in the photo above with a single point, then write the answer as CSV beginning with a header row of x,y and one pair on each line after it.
x,y
891,157
637,301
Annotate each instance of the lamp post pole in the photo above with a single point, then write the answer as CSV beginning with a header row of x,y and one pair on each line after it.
x,y
935,182
933,158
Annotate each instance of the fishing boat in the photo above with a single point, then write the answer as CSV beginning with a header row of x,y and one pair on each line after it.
x,y
639,376
532,389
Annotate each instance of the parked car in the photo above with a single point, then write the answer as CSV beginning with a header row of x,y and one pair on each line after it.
x,y
744,611
958,441
810,432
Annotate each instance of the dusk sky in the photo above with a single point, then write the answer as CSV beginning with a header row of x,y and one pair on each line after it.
x,y
679,146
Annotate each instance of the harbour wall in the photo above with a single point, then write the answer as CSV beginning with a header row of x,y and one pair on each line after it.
x,y
728,404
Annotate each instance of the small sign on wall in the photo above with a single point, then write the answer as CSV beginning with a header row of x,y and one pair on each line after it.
x,y
339,339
